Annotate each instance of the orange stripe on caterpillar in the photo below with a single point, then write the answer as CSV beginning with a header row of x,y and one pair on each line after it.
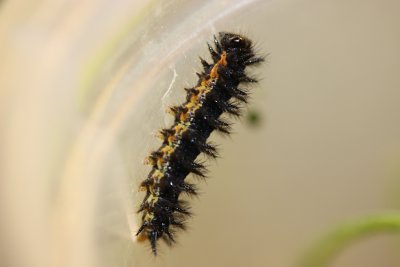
x,y
217,93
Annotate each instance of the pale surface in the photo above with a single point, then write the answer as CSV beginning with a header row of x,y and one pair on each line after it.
x,y
328,148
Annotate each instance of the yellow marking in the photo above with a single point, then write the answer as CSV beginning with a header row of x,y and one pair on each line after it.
x,y
194,98
151,200
192,105
160,162
180,128
203,84
157,174
202,87
171,139
223,61
142,237
184,116
214,71
167,150
149,216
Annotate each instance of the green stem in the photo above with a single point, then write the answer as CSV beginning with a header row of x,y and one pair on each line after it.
x,y
324,250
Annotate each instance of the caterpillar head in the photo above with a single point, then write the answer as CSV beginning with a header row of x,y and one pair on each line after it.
x,y
234,41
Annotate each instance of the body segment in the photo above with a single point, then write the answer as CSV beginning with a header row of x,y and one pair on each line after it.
x,y
216,93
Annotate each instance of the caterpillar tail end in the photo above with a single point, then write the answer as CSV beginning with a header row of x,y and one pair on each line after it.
x,y
142,236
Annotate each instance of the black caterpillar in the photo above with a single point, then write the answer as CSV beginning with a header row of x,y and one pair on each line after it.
x,y
216,93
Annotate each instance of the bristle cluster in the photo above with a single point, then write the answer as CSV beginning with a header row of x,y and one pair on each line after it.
x,y
216,93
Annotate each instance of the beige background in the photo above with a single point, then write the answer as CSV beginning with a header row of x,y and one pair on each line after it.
x,y
327,149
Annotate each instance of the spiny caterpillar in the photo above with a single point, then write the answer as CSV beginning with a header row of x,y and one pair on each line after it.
x,y
216,93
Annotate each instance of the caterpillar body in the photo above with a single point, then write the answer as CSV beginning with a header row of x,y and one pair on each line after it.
x,y
216,93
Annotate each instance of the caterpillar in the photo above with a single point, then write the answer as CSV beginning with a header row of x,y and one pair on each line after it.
x,y
216,93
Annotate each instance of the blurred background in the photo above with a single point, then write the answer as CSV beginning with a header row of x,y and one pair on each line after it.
x,y
83,90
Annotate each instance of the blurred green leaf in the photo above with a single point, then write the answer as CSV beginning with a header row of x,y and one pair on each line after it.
x,y
327,248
